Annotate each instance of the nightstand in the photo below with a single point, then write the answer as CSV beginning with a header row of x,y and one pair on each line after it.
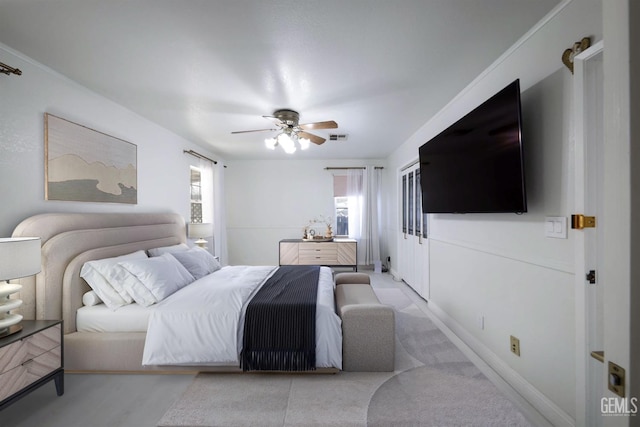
x,y
31,358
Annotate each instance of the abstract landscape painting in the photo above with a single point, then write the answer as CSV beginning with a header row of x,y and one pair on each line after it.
x,y
85,165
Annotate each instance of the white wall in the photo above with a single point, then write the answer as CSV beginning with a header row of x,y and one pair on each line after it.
x,y
501,266
270,200
163,170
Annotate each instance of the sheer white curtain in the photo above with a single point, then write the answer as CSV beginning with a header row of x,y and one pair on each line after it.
x,y
371,216
355,178
363,192
219,215
206,186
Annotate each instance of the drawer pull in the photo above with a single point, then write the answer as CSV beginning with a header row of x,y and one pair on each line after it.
x,y
27,362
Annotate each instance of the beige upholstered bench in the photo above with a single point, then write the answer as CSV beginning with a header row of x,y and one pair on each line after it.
x,y
368,327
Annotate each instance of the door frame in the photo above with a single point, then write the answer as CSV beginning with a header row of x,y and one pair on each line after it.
x,y
583,300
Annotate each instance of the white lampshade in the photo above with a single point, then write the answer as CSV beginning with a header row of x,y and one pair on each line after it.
x,y
199,230
19,257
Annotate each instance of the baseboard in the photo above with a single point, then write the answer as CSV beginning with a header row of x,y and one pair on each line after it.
x,y
537,408
395,274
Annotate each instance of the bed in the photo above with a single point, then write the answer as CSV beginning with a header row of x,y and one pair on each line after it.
x,y
100,339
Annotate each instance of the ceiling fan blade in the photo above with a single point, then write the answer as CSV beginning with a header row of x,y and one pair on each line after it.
x,y
319,125
313,138
255,130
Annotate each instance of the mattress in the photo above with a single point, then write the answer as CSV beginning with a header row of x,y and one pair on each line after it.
x,y
99,318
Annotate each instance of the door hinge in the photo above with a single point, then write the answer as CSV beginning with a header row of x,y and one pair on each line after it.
x,y
580,222
591,277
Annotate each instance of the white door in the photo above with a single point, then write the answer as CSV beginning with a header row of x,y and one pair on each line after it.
x,y
413,262
589,120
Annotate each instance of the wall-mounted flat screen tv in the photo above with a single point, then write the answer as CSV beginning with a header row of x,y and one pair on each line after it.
x,y
476,165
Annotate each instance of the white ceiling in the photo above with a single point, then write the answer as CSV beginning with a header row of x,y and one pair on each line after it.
x,y
380,68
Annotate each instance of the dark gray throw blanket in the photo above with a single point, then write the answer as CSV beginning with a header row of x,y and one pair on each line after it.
x,y
280,322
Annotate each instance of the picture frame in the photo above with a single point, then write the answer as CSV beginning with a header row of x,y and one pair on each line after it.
x,y
85,165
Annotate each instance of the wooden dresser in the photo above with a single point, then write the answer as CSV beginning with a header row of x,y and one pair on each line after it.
x,y
31,358
338,253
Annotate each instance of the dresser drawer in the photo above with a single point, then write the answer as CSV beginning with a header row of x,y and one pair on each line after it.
x,y
19,352
29,372
320,246
317,260
317,254
12,355
43,341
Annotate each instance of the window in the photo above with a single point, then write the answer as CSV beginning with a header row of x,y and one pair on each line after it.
x,y
196,195
342,215
340,204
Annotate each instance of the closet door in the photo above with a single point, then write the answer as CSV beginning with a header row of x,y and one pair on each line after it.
x,y
413,250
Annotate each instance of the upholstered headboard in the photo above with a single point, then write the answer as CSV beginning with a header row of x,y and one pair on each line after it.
x,y
71,239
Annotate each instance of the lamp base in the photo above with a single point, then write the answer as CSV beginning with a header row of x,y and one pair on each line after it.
x,y
10,330
202,243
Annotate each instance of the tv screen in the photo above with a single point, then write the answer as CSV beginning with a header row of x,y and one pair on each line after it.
x,y
476,165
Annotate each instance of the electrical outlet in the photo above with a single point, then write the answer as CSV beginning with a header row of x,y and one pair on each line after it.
x,y
515,346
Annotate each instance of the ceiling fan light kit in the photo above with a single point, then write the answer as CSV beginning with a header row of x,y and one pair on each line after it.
x,y
291,132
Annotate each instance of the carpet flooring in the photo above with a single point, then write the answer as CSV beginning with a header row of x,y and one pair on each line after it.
x,y
433,384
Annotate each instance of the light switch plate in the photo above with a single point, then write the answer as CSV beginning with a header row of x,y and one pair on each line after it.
x,y
555,227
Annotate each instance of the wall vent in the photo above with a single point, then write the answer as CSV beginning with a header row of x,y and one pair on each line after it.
x,y
338,137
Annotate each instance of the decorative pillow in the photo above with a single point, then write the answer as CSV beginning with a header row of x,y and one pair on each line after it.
x,y
161,276
167,249
199,262
102,278
91,298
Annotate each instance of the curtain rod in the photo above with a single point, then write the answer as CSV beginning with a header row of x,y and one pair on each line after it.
x,y
195,154
5,69
350,167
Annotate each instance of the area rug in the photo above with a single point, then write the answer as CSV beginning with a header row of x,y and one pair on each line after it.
x,y
433,384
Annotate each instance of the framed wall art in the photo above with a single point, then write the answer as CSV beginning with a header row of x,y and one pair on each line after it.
x,y
85,165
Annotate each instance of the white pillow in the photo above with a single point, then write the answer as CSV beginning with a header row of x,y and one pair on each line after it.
x,y
162,275
167,249
198,261
91,298
102,278
136,289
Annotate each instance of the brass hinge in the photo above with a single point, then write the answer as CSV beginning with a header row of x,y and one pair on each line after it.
x,y
580,222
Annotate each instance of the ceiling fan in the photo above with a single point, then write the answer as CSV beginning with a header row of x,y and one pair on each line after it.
x,y
287,122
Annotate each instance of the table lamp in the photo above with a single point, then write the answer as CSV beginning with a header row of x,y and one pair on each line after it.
x,y
199,230
19,257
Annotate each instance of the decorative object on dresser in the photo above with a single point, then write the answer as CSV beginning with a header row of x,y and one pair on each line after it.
x,y
200,230
312,233
19,257
31,358
334,253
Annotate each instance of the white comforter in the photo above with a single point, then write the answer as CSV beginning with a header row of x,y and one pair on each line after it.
x,y
202,323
